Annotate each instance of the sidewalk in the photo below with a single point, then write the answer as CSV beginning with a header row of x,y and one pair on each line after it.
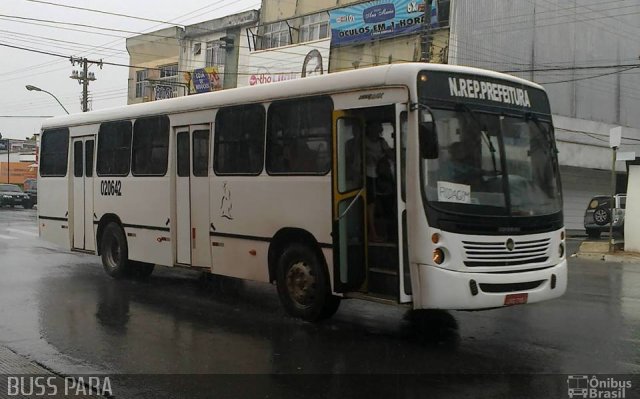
x,y
599,250
21,378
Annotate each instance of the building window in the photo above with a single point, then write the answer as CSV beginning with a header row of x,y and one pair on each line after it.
x,y
169,71
299,136
169,82
276,35
141,82
314,27
216,54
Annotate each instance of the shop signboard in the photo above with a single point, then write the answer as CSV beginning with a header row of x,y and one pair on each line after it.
x,y
378,19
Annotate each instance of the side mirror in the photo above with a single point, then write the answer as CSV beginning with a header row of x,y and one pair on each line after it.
x,y
428,136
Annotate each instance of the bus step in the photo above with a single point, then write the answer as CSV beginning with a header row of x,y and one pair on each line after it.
x,y
381,257
389,271
383,282
386,299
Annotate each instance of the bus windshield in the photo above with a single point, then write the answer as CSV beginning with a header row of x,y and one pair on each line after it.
x,y
492,163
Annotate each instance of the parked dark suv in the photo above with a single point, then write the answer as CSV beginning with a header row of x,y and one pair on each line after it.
x,y
599,214
31,188
12,195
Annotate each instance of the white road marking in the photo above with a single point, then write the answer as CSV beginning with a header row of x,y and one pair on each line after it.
x,y
28,233
2,236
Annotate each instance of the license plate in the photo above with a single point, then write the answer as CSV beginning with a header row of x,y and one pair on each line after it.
x,y
516,299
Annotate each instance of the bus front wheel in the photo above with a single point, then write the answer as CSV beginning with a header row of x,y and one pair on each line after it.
x,y
114,251
303,284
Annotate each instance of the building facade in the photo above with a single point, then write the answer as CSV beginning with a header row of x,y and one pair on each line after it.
x,y
155,56
213,52
198,58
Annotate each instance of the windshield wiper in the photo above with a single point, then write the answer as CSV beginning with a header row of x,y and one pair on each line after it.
x,y
483,134
529,116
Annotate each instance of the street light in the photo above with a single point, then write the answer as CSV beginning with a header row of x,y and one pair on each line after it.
x,y
34,88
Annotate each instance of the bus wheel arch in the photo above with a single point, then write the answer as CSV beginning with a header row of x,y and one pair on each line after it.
x,y
104,221
300,270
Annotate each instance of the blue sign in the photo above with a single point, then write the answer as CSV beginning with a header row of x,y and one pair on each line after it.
x,y
201,81
378,19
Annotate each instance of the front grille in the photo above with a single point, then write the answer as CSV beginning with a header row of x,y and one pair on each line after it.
x,y
513,287
496,253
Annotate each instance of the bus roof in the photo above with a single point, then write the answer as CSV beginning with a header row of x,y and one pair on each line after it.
x,y
393,74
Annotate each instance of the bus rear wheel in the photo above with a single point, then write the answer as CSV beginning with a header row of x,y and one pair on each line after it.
x,y
303,284
114,250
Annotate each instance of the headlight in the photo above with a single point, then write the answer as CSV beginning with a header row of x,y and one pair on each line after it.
x,y
438,256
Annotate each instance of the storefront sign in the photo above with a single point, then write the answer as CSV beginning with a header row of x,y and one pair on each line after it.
x,y
377,19
204,80
163,92
271,66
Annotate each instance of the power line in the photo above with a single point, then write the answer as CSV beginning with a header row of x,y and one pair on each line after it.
x,y
77,24
101,12
589,77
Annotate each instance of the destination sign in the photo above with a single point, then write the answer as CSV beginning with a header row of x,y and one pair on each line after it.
x,y
453,87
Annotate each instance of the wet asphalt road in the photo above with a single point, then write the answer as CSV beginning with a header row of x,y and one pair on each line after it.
x,y
59,309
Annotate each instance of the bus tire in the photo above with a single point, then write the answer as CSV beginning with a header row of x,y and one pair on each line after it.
x,y
303,284
115,252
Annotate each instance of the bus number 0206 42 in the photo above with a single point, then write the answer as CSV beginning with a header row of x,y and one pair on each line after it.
x,y
110,187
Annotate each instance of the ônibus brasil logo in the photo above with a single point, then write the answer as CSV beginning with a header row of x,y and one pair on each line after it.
x,y
583,386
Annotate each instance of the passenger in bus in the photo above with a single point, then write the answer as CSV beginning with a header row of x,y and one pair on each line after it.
x,y
460,168
376,151
299,157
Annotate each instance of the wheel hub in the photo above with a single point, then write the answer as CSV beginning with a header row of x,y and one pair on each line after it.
x,y
301,284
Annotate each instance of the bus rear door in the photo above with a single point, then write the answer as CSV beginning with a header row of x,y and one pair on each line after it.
x,y
192,196
82,181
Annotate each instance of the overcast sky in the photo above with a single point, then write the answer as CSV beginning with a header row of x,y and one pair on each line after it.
x,y
19,68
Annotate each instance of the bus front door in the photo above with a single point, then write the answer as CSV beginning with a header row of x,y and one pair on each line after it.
x,y
349,205
192,196
83,193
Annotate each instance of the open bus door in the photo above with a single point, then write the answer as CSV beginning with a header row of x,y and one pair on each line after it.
x,y
362,263
349,205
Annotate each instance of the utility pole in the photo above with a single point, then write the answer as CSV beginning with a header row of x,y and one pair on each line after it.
x,y
425,37
84,77
429,23
615,138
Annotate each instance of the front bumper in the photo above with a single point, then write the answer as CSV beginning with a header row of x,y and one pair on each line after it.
x,y
13,200
446,289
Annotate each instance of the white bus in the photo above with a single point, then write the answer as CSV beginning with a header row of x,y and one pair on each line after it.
x,y
450,200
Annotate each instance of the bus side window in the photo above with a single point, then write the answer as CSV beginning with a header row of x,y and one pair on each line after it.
x,y
150,146
114,148
54,152
239,140
298,136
